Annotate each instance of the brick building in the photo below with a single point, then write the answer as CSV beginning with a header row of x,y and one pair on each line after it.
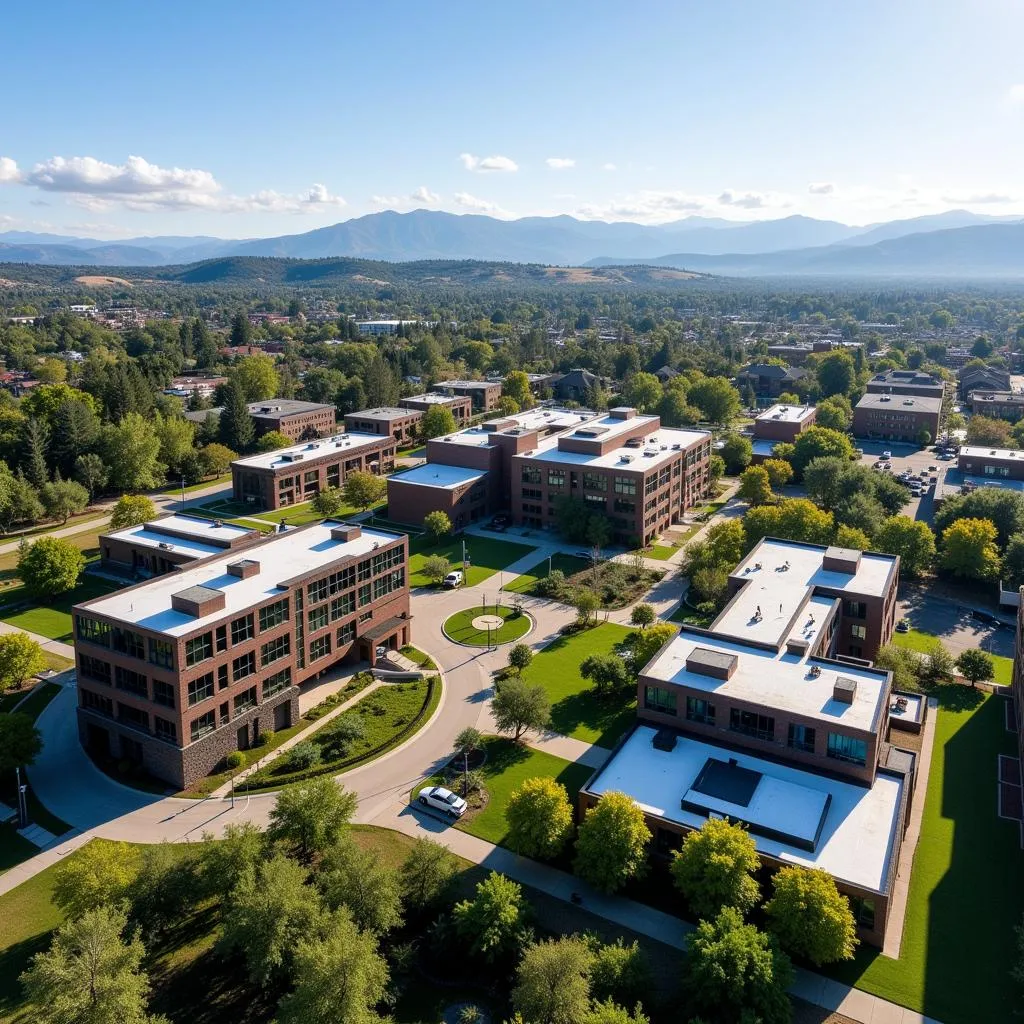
x,y
292,475
640,475
1000,405
461,406
768,380
780,423
484,394
906,382
764,719
999,463
177,672
891,417
401,424
299,421
164,544
982,378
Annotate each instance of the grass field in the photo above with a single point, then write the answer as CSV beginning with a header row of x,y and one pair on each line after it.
x,y
508,765
576,710
459,627
661,552
486,557
88,542
524,584
966,888
916,640
53,620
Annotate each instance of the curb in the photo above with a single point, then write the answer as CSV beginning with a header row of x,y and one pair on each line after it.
x,y
484,647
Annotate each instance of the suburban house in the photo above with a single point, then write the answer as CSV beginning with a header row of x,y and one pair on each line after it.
x,y
575,386
982,378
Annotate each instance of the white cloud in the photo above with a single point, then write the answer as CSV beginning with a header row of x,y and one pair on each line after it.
x,y
744,200
560,163
609,167
424,195
8,170
821,188
978,198
1014,96
473,203
484,164
137,176
387,201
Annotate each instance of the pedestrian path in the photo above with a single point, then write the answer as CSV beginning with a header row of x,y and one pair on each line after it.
x,y
53,646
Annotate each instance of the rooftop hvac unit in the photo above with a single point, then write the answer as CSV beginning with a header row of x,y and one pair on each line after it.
x,y
676,447
164,546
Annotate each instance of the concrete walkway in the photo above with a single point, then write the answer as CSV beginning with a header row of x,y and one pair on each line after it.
x,y
53,646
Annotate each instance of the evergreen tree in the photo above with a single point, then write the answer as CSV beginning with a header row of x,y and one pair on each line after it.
x,y
36,439
76,429
241,330
237,429
381,383
203,345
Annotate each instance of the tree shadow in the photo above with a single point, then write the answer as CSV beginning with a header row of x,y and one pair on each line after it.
x,y
610,717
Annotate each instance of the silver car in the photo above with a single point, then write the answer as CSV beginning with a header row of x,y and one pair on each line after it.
x,y
444,800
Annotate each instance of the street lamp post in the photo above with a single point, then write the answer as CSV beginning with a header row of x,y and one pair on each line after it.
x,y
22,799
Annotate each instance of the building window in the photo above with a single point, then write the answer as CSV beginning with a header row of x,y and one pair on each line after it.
x,y
241,629
556,478
858,632
94,702
801,737
318,590
164,729
200,689
318,618
320,647
530,475
93,631
132,682
863,911
346,634
277,682
198,649
700,710
856,609
273,615
750,723
94,668
847,748
243,666
595,482
203,725
161,653
163,694
625,485
658,699
222,638
245,701
275,650
364,594
342,606
595,502
621,505
132,716
127,642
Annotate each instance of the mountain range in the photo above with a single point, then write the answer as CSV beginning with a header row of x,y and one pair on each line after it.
x,y
956,243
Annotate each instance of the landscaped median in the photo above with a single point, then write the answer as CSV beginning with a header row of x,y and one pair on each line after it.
x,y
375,724
480,625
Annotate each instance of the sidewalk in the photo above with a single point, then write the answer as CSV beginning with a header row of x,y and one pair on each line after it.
x,y
53,646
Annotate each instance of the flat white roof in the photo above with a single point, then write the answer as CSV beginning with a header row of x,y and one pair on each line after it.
x,y
761,447
436,474
282,557
433,397
532,419
776,680
659,446
786,413
342,443
467,383
899,403
977,451
858,835
198,531
384,412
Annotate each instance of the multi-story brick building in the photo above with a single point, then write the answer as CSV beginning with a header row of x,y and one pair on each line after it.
x,y
299,421
906,382
1000,405
769,380
177,672
461,406
780,423
1017,677
763,718
164,544
642,476
290,475
982,378
999,463
484,394
892,417
401,424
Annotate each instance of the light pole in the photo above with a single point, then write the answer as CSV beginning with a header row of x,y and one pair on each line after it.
x,y
183,492
22,800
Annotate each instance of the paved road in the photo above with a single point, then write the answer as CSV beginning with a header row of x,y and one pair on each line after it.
x,y
952,623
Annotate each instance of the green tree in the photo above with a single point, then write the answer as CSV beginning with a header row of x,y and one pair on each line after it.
x,y
852,537
214,458
835,413
1003,508
642,645
311,817
272,441
20,741
131,449
435,568
642,615
438,525
902,663
223,862
177,439
912,540
369,888
90,974
328,501
553,980
241,330
237,429
819,442
508,406
969,549
643,391
611,843
779,472
539,818
989,432
256,377
50,566
737,451
98,875
132,510
35,442
493,922
976,665
427,874
735,973
836,374
609,1012
166,889
437,421
586,602
810,917
518,706
517,387
204,345
607,671
20,657
716,398
75,430
621,973
721,547
791,519
755,485
715,868
270,912
362,489
63,498
520,657
91,472
339,976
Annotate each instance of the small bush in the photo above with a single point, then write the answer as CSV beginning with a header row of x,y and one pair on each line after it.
x,y
265,737
303,756
234,760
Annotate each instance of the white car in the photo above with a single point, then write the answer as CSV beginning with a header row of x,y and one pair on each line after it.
x,y
886,456
454,579
444,800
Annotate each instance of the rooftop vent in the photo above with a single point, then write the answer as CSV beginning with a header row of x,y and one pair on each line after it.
x,y
845,560
198,601
845,690
706,662
346,532
244,568
664,739
164,546
885,398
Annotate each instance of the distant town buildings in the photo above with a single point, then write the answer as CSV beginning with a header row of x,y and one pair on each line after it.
x,y
768,380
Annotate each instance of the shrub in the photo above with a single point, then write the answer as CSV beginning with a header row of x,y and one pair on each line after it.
x,y
303,756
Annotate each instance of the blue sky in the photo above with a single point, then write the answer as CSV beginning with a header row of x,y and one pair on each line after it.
x,y
243,119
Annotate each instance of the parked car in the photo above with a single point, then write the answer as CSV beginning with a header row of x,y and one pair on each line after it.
x,y
443,800
454,579
886,456
903,626
933,469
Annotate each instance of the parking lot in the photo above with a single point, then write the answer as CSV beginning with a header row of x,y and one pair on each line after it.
x,y
909,458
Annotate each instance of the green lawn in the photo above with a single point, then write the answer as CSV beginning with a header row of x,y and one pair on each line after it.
x,y
53,619
917,640
297,515
459,627
966,888
415,654
568,564
486,557
507,767
662,552
224,478
576,710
